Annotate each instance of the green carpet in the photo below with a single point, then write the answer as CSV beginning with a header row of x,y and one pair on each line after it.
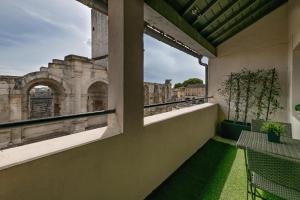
x,y
216,171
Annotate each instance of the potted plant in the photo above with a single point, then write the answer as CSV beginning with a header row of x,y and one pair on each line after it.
x,y
297,108
249,93
274,130
232,93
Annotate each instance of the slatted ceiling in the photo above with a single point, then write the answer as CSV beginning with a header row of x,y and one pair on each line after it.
x,y
215,11
258,14
223,13
178,4
215,21
196,9
228,18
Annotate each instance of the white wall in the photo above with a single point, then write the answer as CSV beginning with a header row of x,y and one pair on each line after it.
x,y
262,45
126,167
294,63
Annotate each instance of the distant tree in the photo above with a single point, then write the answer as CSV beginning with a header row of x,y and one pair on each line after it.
x,y
178,85
192,81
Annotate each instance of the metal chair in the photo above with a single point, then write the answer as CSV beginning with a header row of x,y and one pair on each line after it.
x,y
257,124
276,175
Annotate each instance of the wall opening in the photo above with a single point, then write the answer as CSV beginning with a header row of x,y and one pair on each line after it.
x,y
97,97
43,101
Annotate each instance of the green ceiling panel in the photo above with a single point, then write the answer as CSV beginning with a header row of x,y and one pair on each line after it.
x,y
215,21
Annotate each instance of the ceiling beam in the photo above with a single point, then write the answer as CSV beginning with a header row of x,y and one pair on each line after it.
x,y
159,35
189,8
168,12
249,19
201,12
98,5
224,10
241,10
208,6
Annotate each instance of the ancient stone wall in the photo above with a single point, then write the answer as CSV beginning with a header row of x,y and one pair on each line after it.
x,y
72,82
156,93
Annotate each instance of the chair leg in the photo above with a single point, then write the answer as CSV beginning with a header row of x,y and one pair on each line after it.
x,y
247,191
252,192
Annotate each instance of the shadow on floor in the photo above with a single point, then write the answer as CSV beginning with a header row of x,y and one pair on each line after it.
x,y
201,177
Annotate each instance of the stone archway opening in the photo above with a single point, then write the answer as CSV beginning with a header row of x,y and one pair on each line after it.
x,y
97,97
43,98
42,102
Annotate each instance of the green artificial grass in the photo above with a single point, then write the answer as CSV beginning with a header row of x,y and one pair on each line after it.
x,y
216,171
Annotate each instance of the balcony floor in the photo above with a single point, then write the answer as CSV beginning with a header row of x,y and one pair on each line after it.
x,y
216,171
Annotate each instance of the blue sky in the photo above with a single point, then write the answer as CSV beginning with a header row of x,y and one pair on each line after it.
x,y
33,32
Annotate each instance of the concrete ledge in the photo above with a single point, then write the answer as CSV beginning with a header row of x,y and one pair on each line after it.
x,y
169,115
26,153
29,152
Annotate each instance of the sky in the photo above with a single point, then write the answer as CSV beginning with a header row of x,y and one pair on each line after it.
x,y
33,32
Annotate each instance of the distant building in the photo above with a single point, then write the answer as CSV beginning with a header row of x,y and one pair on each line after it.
x,y
156,93
195,90
189,92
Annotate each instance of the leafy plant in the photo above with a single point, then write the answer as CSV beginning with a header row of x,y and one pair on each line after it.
x,y
226,92
272,127
273,103
297,107
260,94
248,87
192,81
254,92
236,90
178,85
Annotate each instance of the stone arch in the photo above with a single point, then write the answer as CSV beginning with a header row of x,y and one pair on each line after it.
x,y
146,95
97,96
59,95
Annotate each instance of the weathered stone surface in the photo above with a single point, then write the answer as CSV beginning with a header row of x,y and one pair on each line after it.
x,y
73,82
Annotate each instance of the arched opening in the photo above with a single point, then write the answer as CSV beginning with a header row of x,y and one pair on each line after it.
x,y
97,97
43,98
43,101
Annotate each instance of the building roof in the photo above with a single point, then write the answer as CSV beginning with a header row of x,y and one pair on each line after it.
x,y
207,22
212,22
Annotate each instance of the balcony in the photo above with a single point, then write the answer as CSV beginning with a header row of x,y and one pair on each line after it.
x,y
224,177
172,155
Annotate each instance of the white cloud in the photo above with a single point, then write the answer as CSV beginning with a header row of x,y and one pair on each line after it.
x,y
35,32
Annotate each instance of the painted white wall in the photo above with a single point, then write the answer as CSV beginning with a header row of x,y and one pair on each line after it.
x,y
262,45
294,63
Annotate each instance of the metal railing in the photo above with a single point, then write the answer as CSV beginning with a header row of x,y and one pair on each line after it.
x,y
88,114
177,102
54,119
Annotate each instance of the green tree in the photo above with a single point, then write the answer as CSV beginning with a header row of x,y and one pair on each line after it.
x,y
192,81
178,85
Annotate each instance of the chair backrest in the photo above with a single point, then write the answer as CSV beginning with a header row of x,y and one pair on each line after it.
x,y
257,124
283,171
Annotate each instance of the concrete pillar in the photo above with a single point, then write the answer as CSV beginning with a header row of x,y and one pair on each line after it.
x,y
99,38
126,27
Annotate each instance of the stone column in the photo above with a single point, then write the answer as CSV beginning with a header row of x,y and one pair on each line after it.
x,y
16,115
126,27
100,38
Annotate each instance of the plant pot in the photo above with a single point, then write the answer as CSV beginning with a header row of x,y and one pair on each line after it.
x,y
272,137
232,130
